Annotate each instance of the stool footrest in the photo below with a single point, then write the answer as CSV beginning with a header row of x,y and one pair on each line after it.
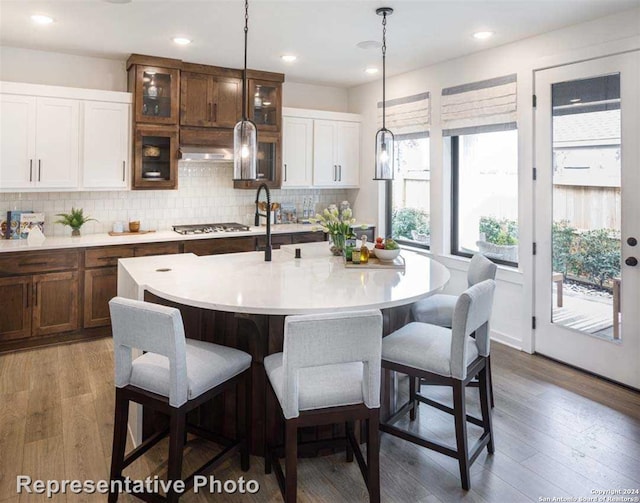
x,y
144,447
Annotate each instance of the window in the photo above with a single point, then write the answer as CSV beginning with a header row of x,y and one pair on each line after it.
x,y
408,194
485,195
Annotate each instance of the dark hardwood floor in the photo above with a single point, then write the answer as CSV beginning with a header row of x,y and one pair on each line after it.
x,y
558,433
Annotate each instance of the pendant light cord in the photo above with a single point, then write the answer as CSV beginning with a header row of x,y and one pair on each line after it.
x,y
244,73
384,68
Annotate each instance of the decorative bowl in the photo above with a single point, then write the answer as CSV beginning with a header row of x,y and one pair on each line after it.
x,y
386,255
150,151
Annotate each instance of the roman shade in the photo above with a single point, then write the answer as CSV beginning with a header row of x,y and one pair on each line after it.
x,y
410,115
480,107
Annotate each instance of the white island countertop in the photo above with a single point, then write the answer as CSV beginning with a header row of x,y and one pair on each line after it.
x,y
104,239
245,283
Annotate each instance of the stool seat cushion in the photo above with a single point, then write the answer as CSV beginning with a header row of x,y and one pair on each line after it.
x,y
319,387
437,310
424,346
208,365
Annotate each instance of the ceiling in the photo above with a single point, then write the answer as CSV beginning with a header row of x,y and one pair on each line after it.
x,y
323,34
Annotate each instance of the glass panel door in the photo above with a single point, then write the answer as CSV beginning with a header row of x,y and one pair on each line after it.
x,y
587,216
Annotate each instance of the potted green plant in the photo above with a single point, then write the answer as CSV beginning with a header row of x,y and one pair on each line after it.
x,y
75,220
498,238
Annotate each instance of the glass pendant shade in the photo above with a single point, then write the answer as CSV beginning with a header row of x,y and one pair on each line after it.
x,y
245,151
385,144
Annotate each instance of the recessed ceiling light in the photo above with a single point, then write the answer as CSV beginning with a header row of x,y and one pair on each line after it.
x,y
371,70
483,35
41,19
181,40
575,100
369,44
288,58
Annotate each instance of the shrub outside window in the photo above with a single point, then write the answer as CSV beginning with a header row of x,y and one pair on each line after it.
x,y
408,195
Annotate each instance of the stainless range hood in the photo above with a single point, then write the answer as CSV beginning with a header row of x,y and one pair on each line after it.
x,y
200,153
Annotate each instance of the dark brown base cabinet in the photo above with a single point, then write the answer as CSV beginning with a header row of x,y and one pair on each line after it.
x,y
60,296
100,286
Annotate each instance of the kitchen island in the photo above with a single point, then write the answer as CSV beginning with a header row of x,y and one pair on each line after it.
x,y
241,301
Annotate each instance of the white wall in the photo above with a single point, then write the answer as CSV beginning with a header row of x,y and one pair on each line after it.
x,y
514,298
57,69
297,95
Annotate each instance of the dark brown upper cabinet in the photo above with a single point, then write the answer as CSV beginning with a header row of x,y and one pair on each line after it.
x,y
209,100
265,104
156,94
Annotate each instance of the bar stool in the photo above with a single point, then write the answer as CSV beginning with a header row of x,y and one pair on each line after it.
x,y
438,309
328,373
448,357
173,377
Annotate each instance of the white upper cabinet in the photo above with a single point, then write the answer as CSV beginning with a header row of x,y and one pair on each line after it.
x,y
17,141
336,154
348,154
57,143
297,152
328,141
44,144
105,146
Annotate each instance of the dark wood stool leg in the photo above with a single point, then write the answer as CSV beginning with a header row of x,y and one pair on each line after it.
x,y
119,439
176,446
243,410
348,429
269,440
291,461
485,391
373,456
412,397
460,414
490,381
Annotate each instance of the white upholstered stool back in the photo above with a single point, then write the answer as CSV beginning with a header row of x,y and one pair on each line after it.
x,y
329,339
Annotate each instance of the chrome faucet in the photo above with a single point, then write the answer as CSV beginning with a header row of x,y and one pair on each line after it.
x,y
267,250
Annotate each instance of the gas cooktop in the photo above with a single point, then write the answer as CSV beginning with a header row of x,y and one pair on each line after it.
x,y
210,228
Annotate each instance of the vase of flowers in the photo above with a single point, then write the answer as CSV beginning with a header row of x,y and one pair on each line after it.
x,y
337,225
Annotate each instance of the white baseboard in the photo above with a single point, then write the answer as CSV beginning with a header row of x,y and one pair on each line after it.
x,y
507,340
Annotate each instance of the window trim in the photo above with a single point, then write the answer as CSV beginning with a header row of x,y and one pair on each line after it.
x,y
388,194
455,199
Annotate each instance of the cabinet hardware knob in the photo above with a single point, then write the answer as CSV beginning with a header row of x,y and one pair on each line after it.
x,y
632,241
631,261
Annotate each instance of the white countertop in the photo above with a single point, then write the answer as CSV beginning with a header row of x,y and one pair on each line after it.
x,y
89,240
245,283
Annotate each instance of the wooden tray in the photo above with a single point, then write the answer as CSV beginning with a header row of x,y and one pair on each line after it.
x,y
398,264
127,233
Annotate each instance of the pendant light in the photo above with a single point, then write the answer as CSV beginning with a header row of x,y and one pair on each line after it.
x,y
245,133
384,137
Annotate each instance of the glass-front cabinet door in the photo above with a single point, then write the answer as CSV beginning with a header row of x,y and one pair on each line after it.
x,y
269,163
264,104
155,161
157,95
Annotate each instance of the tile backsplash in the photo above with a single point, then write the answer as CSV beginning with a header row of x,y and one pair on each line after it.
x,y
205,195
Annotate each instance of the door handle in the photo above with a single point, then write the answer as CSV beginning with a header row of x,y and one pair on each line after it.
x,y
335,173
632,241
30,173
124,163
26,297
340,172
35,294
631,261
285,172
39,169
215,113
